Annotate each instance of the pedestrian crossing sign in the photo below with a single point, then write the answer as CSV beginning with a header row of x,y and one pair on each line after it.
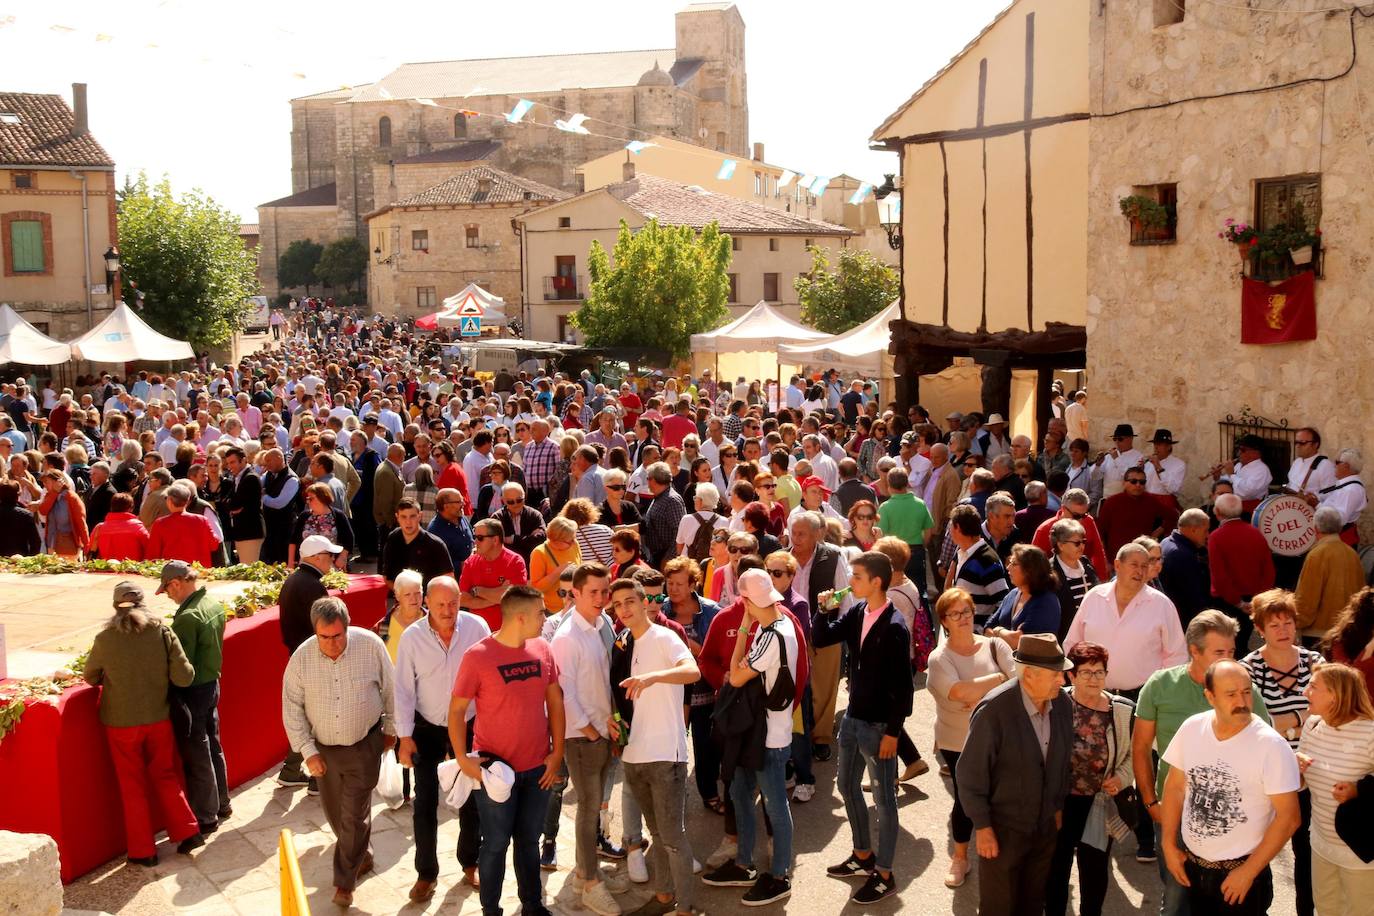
x,y
470,326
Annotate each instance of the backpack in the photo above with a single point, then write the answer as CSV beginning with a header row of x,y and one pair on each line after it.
x,y
784,691
700,548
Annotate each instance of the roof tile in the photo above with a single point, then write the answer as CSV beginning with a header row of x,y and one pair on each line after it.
x,y
674,204
465,188
44,134
326,195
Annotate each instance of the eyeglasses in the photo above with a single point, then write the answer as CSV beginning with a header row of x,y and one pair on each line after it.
x,y
970,464
483,537
1091,674
965,614
514,502
1137,481
1074,543
738,550
779,573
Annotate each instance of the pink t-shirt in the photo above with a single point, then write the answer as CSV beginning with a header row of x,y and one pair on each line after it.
x,y
871,617
509,685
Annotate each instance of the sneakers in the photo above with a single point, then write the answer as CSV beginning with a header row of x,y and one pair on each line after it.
x,y
607,849
820,752
312,786
917,767
291,779
853,867
725,852
958,872
1146,855
804,792
637,867
194,841
875,888
732,874
616,883
766,890
548,856
598,899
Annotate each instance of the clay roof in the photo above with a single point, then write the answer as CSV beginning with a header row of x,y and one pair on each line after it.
x,y
465,188
470,151
326,195
674,204
523,75
343,93
249,229
40,132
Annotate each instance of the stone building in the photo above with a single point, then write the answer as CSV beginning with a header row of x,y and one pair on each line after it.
x,y
1289,123
695,90
57,212
429,245
769,245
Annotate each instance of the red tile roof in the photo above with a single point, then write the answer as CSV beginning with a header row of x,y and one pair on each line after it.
x,y
43,134
464,188
674,204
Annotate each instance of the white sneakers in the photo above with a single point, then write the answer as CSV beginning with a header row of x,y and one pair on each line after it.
x,y
725,852
598,899
803,793
616,882
635,864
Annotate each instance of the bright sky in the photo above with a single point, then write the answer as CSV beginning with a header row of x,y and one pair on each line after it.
x,y
203,96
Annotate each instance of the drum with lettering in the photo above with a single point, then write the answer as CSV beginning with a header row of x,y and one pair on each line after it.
x,y
1286,521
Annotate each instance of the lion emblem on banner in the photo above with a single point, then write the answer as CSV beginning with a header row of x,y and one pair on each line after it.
x,y
1274,315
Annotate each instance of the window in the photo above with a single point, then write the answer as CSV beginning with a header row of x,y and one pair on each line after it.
x,y
1284,200
1166,195
772,244
770,287
9,117
808,243
1169,12
26,247
720,141
424,297
460,125
42,326
734,287
564,329
24,180
565,222
419,240
470,234
758,184
384,131
734,243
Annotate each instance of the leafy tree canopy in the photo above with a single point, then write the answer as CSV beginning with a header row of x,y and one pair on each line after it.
x,y
186,256
296,266
342,263
836,300
668,283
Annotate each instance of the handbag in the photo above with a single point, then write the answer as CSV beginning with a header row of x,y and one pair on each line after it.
x,y
1128,799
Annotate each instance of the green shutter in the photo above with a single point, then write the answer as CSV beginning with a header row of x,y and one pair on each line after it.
x,y
26,243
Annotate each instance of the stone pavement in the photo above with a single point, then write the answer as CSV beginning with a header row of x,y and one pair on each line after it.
x,y
236,872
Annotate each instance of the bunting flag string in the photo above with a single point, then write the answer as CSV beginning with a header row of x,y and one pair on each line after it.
x,y
521,109
727,170
573,125
858,196
638,146
786,178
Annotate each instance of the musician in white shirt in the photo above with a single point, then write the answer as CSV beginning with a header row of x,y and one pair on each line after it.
x,y
1112,466
1250,477
1311,472
1164,471
1347,495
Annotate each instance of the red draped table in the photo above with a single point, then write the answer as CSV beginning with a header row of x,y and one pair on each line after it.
x,y
55,767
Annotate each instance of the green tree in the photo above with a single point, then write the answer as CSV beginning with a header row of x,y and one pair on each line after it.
x,y
296,266
834,301
342,263
186,256
668,283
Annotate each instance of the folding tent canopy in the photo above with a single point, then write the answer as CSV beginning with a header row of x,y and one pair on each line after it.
x,y
471,300
21,342
861,351
749,343
123,337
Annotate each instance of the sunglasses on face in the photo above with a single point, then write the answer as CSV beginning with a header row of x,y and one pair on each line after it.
x,y
719,540
767,486
779,573
655,599
483,537
615,486
564,592
734,551
514,502
1138,481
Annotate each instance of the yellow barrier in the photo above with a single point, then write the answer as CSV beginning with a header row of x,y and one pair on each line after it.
x,y
293,901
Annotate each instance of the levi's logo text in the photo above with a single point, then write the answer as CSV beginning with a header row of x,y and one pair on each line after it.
x,y
519,671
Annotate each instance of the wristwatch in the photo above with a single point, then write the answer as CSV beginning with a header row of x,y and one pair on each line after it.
x,y
1152,804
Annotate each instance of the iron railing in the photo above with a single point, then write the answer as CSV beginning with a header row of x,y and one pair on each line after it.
x,y
1277,435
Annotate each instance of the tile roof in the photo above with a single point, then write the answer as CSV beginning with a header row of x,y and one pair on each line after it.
x,y
43,134
523,75
470,151
343,93
249,229
676,204
463,188
326,195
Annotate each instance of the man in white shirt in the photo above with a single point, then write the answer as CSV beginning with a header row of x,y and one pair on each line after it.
x,y
1250,477
168,448
1164,471
822,465
1232,791
655,756
391,420
426,666
1347,495
794,393
1076,416
477,458
1112,465
1310,472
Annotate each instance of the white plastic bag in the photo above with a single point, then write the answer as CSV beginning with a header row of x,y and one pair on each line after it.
x,y
389,784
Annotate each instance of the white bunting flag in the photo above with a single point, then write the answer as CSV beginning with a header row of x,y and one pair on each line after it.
x,y
521,109
430,102
383,92
818,186
638,146
786,179
573,125
727,170
858,196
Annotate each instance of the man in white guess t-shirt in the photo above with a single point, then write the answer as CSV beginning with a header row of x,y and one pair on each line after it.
x,y
1233,790
656,756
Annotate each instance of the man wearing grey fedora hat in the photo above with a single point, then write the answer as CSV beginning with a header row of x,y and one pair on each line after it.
x,y
1014,776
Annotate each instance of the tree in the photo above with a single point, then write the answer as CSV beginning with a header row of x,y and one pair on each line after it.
x,y
835,301
296,266
342,263
668,283
186,256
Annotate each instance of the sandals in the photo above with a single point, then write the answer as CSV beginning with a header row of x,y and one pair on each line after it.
x,y
715,805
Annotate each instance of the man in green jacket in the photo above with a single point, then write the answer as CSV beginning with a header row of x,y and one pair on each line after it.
x,y
199,624
388,486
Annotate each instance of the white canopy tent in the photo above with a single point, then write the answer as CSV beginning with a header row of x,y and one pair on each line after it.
x,y
21,342
748,346
123,337
862,350
467,301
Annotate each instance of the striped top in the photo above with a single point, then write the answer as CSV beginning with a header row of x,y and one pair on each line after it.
x,y
1342,754
1283,691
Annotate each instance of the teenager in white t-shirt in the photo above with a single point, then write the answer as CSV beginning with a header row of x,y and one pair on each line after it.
x,y
1233,790
656,756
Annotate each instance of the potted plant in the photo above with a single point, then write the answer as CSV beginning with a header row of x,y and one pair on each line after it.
x,y
1301,240
1242,235
1143,212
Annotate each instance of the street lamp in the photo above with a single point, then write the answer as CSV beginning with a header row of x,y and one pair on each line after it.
x,y
889,201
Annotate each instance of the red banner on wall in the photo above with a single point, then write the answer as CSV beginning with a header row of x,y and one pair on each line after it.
x,y
1278,313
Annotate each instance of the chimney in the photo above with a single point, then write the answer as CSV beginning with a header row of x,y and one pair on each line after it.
x,y
758,152
627,171
81,126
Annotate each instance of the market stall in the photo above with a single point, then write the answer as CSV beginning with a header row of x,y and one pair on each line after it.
x,y
124,337
21,342
472,301
861,352
748,346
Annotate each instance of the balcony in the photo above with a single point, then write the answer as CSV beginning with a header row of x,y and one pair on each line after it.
x,y
564,288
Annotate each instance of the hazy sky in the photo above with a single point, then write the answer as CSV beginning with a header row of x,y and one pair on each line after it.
x,y
206,104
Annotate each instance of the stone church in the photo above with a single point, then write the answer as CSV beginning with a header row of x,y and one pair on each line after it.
x,y
354,151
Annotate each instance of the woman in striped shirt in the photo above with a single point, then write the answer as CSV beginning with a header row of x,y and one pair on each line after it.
x,y
1073,575
1336,750
1282,669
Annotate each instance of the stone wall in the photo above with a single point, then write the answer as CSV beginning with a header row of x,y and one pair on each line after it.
x,y
312,143
1164,320
278,227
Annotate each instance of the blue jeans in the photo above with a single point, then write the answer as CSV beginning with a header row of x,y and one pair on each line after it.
x,y
801,743
1173,901
859,742
518,819
772,782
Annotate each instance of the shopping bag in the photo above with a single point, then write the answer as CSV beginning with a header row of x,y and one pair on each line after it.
x,y
389,782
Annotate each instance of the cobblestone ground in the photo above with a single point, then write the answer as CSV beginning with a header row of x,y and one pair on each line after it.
x,y
236,872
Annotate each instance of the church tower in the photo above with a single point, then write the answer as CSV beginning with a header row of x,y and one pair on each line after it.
x,y
714,34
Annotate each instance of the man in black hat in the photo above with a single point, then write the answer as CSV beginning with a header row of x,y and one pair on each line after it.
x,y
1113,463
1250,476
1164,472
1014,776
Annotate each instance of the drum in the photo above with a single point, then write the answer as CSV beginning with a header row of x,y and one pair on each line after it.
x,y
1286,521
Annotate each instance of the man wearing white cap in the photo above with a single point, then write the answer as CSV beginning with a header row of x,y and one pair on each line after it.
x,y
993,440
298,593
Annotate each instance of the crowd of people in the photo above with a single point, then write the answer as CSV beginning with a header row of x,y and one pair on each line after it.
x,y
598,585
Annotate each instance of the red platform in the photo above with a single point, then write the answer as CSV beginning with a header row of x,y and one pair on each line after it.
x,y
55,766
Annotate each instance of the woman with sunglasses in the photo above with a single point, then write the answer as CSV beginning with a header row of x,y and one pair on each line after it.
x,y
616,511
766,488
863,526
738,546
782,567
1072,573
698,473
723,474
719,558
548,561
872,450
488,498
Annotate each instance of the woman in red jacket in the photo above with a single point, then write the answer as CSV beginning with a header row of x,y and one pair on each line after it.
x,y
65,533
121,536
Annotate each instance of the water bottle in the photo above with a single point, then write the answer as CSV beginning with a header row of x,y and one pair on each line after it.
x,y
837,598
622,729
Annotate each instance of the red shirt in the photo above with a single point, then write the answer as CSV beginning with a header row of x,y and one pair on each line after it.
x,y
633,408
1092,542
478,572
676,428
454,478
183,536
508,685
120,537
1240,561
719,646
1123,518
58,419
